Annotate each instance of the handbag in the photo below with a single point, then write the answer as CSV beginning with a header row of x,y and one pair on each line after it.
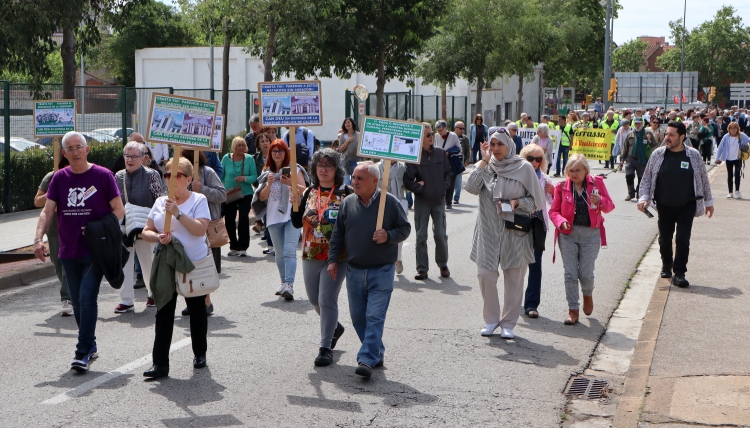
x,y
135,215
235,193
217,233
520,223
539,233
200,281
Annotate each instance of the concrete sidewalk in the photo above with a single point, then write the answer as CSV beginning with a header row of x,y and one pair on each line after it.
x,y
17,229
699,373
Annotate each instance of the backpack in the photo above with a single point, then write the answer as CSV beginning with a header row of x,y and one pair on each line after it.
x,y
303,152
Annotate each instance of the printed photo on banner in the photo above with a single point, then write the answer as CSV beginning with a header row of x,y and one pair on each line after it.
x,y
182,120
218,139
54,118
290,103
390,139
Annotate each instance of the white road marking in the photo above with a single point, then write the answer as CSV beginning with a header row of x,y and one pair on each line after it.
x,y
24,288
101,380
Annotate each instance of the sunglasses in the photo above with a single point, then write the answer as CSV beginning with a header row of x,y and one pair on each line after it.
x,y
168,175
537,159
460,128
428,135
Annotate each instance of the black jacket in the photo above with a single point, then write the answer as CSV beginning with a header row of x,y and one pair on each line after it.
x,y
435,170
108,253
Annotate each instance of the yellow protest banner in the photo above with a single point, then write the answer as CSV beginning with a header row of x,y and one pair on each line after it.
x,y
595,144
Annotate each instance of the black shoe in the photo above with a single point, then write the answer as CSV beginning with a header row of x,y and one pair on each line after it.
x,y
199,362
557,174
185,312
421,276
156,372
139,282
449,207
666,272
209,309
380,363
680,281
363,370
325,358
455,202
269,251
336,335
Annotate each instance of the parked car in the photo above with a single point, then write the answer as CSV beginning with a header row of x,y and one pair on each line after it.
x,y
90,138
18,144
113,134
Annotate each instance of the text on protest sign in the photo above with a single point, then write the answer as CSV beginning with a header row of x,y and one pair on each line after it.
x,y
290,103
182,121
54,118
390,139
595,144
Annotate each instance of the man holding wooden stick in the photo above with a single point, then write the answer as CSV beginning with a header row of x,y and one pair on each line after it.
x,y
370,252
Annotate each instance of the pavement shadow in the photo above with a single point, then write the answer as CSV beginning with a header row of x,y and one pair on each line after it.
x,y
444,285
467,210
72,379
579,331
243,260
520,350
201,388
59,327
216,324
296,306
394,394
716,293
143,319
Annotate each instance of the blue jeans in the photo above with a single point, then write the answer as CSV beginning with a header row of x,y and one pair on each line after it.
x,y
285,237
474,151
534,287
564,156
369,295
138,270
83,284
409,199
347,168
459,184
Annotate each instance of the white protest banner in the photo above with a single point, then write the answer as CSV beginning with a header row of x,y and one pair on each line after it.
x,y
528,134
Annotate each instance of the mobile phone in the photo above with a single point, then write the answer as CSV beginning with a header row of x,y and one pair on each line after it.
x,y
505,206
648,213
594,192
286,171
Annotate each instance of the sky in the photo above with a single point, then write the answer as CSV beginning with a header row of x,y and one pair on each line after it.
x,y
651,17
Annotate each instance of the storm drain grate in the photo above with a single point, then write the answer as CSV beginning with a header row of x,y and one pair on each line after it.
x,y
591,389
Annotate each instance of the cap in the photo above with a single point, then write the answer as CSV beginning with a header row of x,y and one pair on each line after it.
x,y
637,120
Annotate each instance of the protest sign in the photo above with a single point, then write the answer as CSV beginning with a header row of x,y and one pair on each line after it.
x,y
54,118
181,121
595,144
291,104
389,140
219,134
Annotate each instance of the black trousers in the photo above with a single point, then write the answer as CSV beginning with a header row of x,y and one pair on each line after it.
x,y
165,326
733,172
239,231
680,218
450,191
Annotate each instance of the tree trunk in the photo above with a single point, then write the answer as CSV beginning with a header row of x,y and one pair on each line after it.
x,y
225,70
444,101
520,96
68,53
380,91
270,51
478,102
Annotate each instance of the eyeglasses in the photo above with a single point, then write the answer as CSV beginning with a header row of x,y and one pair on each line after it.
x,y
277,152
75,149
428,135
460,128
534,159
129,157
168,175
325,166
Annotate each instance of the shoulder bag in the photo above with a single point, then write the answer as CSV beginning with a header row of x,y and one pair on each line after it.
x,y
217,230
200,281
135,215
235,193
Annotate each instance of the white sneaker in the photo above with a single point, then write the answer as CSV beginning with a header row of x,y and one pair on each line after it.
x,y
241,254
737,195
730,196
288,293
281,289
233,253
489,329
507,333
399,267
67,308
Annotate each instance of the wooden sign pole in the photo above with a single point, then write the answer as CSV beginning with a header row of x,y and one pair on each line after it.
x,y
293,164
56,149
196,164
383,191
172,183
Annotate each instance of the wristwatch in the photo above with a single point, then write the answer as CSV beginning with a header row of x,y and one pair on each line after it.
x,y
179,215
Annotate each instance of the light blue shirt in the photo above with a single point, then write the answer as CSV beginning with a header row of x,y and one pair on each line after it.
x,y
300,137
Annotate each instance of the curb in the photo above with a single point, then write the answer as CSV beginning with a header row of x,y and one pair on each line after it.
x,y
16,279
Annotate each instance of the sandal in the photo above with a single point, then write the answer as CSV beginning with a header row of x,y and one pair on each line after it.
x,y
532,313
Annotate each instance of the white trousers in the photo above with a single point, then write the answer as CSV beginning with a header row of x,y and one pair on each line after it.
x,y
145,251
512,297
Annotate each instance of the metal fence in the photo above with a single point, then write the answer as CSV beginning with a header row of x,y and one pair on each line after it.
x,y
105,114
427,108
404,105
660,88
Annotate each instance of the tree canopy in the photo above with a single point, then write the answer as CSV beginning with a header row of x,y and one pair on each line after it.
x,y
629,56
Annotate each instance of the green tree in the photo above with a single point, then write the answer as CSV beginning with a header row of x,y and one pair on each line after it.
x,y
717,50
53,61
630,56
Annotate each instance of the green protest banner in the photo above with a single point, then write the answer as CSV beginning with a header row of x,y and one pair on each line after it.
x,y
182,121
396,140
54,118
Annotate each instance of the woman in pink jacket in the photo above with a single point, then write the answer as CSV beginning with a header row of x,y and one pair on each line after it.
x,y
576,212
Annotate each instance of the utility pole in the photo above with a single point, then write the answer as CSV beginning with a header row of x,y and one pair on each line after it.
x,y
682,65
607,52
211,64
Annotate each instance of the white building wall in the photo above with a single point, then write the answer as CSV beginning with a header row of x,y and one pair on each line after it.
x,y
188,68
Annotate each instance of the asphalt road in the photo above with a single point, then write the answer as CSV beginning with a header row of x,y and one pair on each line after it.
x,y
438,369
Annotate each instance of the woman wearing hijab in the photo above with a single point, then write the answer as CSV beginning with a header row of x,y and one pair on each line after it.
x,y
507,187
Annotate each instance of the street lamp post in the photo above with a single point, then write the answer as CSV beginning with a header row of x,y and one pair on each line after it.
x,y
607,49
682,62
